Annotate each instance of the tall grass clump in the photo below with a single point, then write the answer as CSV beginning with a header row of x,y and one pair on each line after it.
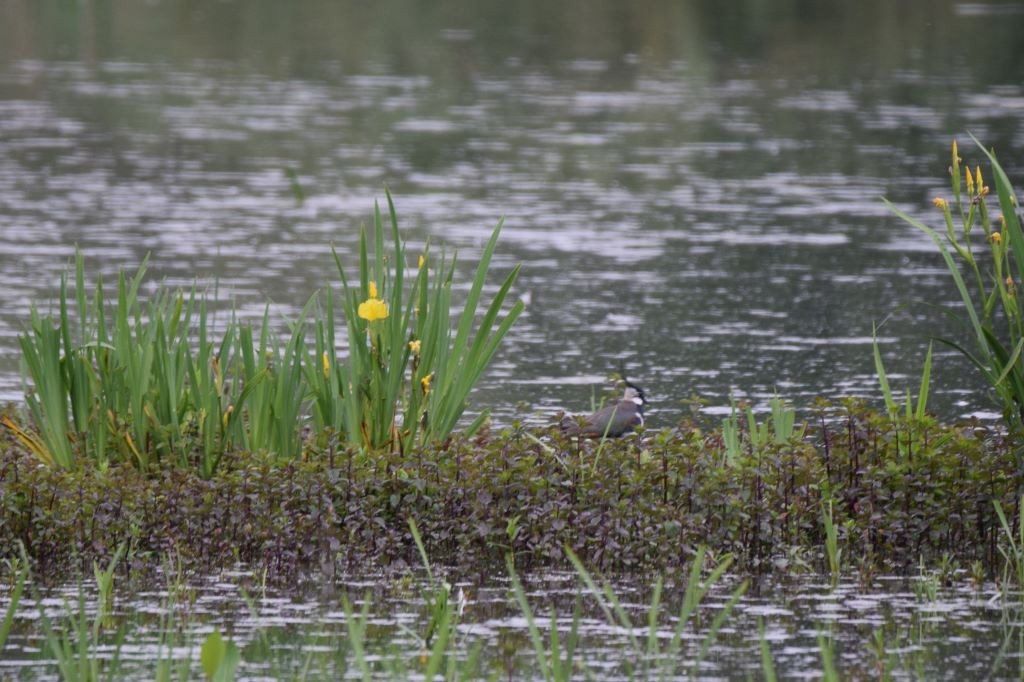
x,y
272,370
412,360
127,381
985,257
124,380
1012,546
833,553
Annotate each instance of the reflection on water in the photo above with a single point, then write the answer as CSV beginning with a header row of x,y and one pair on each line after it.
x,y
901,627
694,192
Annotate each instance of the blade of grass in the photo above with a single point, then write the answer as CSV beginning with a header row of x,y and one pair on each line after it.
x,y
524,606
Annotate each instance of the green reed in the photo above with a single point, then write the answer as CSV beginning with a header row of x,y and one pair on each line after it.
x,y
655,644
992,257
403,357
74,642
126,381
19,568
146,382
105,584
219,658
274,371
554,666
780,429
654,659
767,663
914,411
784,421
833,553
827,651
1012,546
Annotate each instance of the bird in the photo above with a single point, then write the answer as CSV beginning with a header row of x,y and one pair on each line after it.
x,y
613,420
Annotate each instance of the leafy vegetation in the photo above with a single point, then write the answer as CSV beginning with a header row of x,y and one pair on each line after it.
x,y
415,625
147,383
148,431
990,250
642,505
402,356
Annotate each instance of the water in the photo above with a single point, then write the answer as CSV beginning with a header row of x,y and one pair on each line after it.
x,y
694,191
955,633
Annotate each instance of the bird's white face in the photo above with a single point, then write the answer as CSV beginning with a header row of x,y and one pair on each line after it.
x,y
633,396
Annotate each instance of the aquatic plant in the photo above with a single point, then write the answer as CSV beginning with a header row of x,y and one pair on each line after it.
x,y
657,628
73,644
779,429
833,553
147,383
20,570
105,585
994,264
219,658
767,663
637,508
1011,546
126,381
403,358
826,649
272,372
913,411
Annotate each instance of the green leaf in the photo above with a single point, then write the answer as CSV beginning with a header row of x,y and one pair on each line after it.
x,y
926,376
883,381
212,654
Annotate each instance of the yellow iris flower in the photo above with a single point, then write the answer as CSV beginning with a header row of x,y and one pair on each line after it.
x,y
373,309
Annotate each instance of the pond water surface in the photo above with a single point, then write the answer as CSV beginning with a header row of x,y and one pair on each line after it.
x,y
901,628
694,190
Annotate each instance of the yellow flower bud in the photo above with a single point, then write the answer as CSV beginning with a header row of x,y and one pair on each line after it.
x,y
939,202
969,179
218,375
422,260
414,346
425,382
977,180
996,238
327,364
373,289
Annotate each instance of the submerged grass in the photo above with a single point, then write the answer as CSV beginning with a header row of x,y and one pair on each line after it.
x,y
690,628
832,550
85,650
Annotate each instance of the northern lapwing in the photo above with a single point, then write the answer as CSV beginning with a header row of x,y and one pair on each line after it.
x,y
613,420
